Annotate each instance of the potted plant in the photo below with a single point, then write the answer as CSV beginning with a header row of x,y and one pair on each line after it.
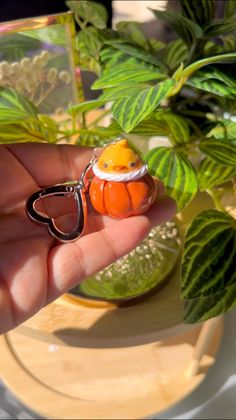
x,y
184,90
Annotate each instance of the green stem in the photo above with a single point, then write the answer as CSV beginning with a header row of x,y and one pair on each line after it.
x,y
216,199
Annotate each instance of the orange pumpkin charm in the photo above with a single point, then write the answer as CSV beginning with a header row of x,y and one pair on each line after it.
x,y
121,186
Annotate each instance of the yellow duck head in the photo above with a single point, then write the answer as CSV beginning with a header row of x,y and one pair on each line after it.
x,y
119,157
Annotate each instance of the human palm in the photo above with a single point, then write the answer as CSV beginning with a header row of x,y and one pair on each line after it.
x,y
34,268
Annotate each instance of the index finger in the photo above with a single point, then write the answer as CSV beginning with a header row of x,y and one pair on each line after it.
x,y
49,163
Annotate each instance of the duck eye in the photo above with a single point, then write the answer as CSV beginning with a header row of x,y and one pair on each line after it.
x,y
105,165
132,164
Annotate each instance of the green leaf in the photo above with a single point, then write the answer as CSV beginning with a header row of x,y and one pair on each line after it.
x,y
28,132
211,173
97,136
126,73
178,129
208,282
89,42
51,35
148,127
212,85
220,27
201,11
229,8
214,73
211,48
111,57
155,45
121,91
189,70
222,58
15,107
229,42
85,106
225,130
49,128
151,127
90,12
132,32
176,172
162,124
220,151
132,110
12,133
188,30
16,46
134,51
175,53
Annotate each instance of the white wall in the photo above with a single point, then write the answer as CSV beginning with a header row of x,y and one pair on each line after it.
x,y
135,10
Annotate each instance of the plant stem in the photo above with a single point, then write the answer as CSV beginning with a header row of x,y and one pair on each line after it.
x,y
216,199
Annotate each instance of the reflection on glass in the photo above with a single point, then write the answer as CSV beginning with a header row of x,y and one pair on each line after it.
x,y
38,60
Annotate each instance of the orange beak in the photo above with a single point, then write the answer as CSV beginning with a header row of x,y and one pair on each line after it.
x,y
119,168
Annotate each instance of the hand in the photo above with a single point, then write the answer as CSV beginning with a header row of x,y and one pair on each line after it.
x,y
34,268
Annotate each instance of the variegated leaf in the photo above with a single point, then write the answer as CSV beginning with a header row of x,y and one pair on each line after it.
x,y
15,107
89,42
97,136
178,129
175,53
13,133
212,48
214,73
213,86
90,11
121,91
126,73
188,30
189,70
176,172
225,58
229,42
132,32
208,282
223,152
224,130
211,173
155,45
201,11
148,127
111,56
229,8
85,106
220,27
134,51
130,111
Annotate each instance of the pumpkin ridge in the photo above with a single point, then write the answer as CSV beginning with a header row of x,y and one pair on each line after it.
x,y
129,197
102,196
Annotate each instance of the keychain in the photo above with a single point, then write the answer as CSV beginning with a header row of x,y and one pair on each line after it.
x,y
117,182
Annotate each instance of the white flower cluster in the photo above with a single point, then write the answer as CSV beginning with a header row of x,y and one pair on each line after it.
x,y
32,77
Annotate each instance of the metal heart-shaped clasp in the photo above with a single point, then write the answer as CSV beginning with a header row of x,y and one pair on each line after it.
x,y
75,191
